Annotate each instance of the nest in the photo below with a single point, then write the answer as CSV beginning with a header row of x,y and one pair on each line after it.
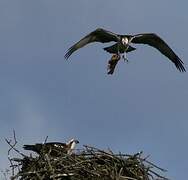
x,y
88,163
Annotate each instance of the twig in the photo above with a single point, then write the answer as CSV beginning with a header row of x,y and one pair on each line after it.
x,y
12,146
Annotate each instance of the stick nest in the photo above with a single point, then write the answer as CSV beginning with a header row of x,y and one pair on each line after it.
x,y
88,163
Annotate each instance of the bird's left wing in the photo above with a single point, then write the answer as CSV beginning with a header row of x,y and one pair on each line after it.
x,y
155,41
99,35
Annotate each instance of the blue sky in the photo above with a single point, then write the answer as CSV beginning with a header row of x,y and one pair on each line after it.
x,y
143,106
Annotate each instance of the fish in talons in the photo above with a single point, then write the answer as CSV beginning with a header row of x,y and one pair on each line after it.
x,y
112,63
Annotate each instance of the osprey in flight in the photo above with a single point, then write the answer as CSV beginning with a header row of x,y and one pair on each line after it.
x,y
53,148
122,45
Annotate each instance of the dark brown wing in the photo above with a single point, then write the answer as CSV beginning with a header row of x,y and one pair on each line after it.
x,y
122,49
155,41
56,144
38,148
99,35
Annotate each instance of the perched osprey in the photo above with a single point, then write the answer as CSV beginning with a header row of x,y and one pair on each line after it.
x,y
53,148
123,42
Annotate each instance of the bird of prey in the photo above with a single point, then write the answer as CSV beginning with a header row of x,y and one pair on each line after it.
x,y
53,148
122,45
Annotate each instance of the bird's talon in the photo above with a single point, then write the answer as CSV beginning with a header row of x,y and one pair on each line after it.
x,y
125,59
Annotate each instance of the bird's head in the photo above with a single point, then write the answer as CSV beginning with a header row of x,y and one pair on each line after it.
x,y
73,141
124,40
71,145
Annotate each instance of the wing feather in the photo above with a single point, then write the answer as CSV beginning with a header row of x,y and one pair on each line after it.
x,y
86,40
158,43
99,35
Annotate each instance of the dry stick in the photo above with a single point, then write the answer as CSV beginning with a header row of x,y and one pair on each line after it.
x,y
46,139
142,159
15,141
90,148
100,151
12,146
38,175
128,178
111,155
50,166
164,170
11,165
156,174
145,160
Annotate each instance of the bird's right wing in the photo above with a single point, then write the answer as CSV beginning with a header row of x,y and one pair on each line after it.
x,y
99,35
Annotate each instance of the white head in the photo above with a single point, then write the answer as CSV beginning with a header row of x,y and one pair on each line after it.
x,y
72,143
125,41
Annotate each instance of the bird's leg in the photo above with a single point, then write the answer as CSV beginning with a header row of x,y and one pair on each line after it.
x,y
124,56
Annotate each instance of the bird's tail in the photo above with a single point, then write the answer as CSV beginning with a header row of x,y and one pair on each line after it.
x,y
36,148
30,147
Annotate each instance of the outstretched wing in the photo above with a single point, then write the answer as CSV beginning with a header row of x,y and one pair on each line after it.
x,y
122,49
99,35
155,41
